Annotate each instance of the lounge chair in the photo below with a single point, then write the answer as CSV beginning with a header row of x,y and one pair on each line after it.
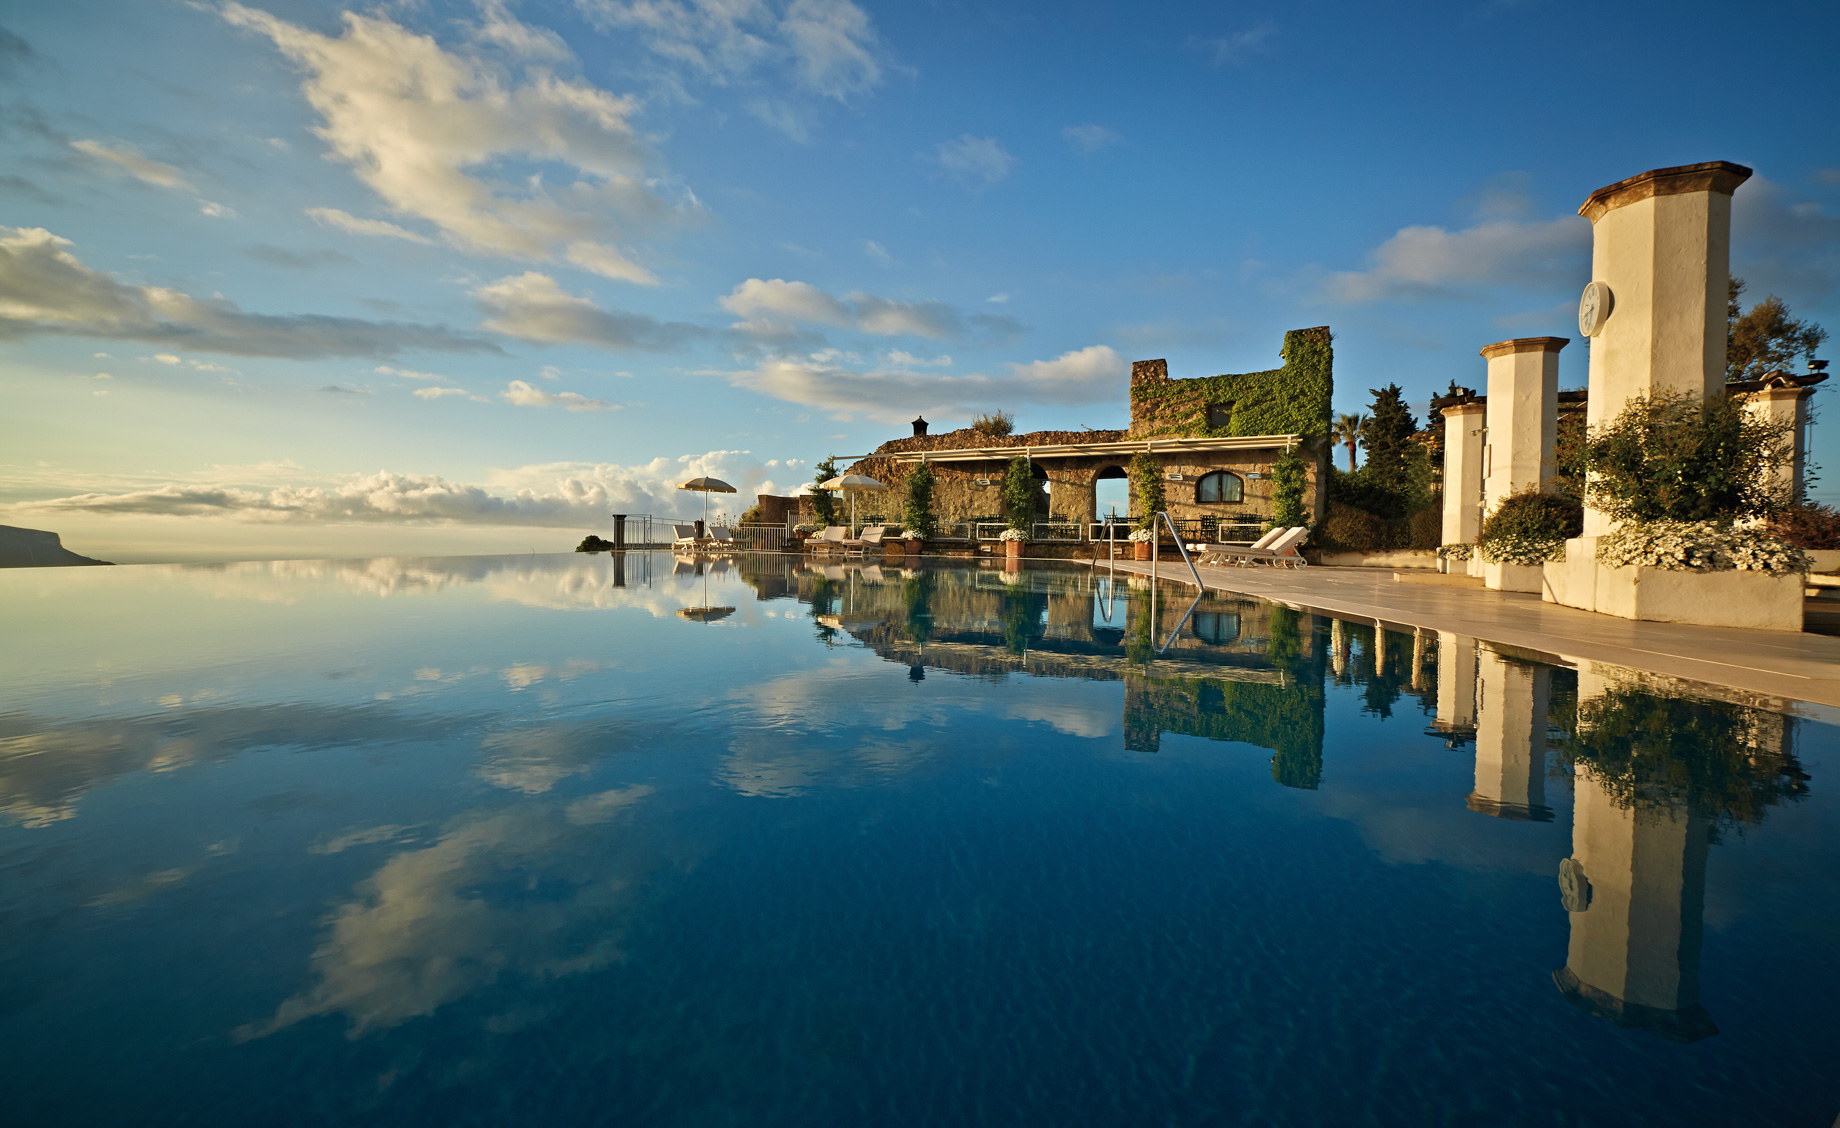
x,y
722,537
871,538
684,536
1259,545
1281,552
830,540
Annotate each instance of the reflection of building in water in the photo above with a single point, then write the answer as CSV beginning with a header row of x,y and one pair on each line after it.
x,y
1634,953
1231,670
1510,737
1656,773
1456,688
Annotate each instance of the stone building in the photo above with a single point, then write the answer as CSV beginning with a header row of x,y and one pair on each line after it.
x,y
1217,437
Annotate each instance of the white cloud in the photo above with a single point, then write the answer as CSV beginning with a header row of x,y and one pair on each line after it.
x,y
437,393
767,305
532,306
823,48
345,221
1784,245
500,28
1425,261
413,120
216,210
142,169
46,289
999,299
1238,47
528,395
891,393
567,495
166,358
977,162
877,252
405,373
1090,138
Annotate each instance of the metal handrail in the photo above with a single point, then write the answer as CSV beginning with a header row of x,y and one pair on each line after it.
x,y
1180,547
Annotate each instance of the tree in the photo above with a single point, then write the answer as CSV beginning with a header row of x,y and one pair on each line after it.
x,y
1765,339
1387,435
1676,457
994,423
1146,473
1020,494
1347,431
1289,475
824,502
917,511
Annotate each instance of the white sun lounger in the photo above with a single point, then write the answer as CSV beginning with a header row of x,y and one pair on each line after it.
x,y
1279,552
685,536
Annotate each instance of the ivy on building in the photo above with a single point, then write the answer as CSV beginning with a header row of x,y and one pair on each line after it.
x,y
1292,400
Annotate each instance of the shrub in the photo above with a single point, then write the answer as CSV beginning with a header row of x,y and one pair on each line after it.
x,y
1426,528
1020,494
1529,528
1808,525
1146,474
1349,529
1455,551
994,423
1700,546
1677,457
917,509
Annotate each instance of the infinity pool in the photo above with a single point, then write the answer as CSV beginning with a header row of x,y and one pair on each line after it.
x,y
643,840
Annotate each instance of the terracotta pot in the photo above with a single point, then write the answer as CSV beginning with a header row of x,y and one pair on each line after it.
x,y
912,547
1012,549
1143,549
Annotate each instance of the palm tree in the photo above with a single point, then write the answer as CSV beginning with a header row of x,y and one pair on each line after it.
x,y
1348,428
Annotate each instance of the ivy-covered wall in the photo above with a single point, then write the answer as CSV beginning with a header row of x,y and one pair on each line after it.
x,y
1292,400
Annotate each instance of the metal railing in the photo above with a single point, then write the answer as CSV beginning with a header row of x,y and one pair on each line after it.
x,y
761,537
1192,530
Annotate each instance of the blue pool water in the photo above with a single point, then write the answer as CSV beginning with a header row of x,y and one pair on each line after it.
x,y
585,840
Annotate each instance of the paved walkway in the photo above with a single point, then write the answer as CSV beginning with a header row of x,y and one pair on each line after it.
x,y
1805,667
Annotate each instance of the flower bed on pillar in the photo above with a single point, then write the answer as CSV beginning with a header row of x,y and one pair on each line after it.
x,y
1712,573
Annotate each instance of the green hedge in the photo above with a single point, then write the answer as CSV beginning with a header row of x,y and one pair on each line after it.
x,y
1292,400
1348,529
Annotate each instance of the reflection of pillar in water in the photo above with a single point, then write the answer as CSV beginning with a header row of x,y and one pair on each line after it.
x,y
1338,647
1418,658
1635,889
1511,740
1379,649
1456,688
619,569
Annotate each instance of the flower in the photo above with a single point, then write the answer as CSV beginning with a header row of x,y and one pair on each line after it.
x,y
1699,546
1519,548
909,534
1456,551
1141,535
1013,535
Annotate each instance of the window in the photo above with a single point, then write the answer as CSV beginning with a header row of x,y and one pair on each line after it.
x,y
1219,487
1220,414
1215,626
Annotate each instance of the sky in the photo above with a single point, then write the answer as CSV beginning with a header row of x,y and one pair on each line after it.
x,y
293,278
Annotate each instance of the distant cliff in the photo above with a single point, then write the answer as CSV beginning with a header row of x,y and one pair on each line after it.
x,y
36,548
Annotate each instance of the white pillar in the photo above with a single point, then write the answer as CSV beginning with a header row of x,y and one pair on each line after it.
x,y
1523,427
1463,439
1661,243
1785,405
1511,739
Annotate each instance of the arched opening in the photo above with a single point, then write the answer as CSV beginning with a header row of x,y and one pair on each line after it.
x,y
1222,487
1215,626
1111,493
1044,506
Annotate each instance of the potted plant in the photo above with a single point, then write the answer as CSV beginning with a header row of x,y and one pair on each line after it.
x,y
1013,540
911,542
1140,543
1146,474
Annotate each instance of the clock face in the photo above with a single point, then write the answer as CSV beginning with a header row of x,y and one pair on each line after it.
x,y
1593,308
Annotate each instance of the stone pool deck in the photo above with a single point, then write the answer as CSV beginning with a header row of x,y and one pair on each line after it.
x,y
1801,667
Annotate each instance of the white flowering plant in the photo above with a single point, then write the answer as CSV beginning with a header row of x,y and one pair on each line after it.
x,y
1527,549
1141,535
909,534
1455,551
1700,546
805,527
1013,535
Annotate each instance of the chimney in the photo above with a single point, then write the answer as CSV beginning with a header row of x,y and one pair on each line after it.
x,y
919,426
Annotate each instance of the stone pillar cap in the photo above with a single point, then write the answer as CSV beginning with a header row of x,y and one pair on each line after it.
x,y
1476,406
1525,344
1722,177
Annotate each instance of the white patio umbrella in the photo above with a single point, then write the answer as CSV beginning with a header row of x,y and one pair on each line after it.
x,y
706,486
852,484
